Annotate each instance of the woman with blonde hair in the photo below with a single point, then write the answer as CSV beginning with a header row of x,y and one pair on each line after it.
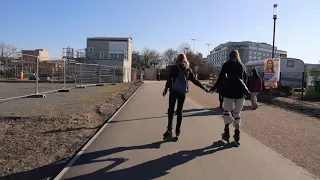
x,y
232,83
269,67
177,83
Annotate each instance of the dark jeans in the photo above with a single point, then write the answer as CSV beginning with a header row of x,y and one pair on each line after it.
x,y
220,99
173,97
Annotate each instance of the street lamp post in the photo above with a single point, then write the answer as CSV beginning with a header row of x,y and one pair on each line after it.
x,y
208,48
193,56
193,45
275,16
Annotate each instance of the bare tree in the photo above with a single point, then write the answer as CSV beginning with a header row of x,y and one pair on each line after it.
x,y
169,56
184,48
7,53
136,60
151,58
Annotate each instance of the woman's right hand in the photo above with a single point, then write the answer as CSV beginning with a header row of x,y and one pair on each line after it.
x,y
164,93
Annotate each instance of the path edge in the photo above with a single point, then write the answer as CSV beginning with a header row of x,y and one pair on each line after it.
x,y
75,157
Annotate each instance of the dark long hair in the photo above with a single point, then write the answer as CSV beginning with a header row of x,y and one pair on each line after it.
x,y
255,74
234,54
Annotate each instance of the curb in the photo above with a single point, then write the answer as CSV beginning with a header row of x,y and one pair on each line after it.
x,y
298,107
33,81
90,141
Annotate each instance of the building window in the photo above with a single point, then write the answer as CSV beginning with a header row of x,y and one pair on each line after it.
x,y
250,52
101,54
259,53
250,57
290,63
90,50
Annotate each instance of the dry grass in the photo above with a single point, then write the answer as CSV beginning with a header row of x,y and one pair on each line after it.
x,y
39,136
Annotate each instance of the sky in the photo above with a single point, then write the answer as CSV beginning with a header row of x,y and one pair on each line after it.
x,y
159,25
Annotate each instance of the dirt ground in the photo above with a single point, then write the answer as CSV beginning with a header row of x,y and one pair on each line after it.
x,y
291,134
39,136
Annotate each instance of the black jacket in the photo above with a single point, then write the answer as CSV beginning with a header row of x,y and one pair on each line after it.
x,y
229,80
174,72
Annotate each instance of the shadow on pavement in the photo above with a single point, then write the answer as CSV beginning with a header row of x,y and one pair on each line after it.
x,y
91,156
185,113
202,112
152,169
137,119
53,169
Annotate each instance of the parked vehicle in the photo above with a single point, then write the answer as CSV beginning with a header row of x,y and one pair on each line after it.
x,y
292,72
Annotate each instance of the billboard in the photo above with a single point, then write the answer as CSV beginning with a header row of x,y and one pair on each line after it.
x,y
271,72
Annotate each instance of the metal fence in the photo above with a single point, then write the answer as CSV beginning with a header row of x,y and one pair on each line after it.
x,y
56,75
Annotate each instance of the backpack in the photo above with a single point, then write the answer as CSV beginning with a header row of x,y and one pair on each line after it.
x,y
180,84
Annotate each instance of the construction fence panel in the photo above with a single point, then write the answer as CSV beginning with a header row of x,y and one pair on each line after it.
x,y
52,76
119,74
107,74
86,74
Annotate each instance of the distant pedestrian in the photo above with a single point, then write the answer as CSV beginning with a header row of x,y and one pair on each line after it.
x,y
177,83
232,83
255,87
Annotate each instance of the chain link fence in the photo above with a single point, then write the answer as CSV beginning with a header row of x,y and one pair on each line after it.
x,y
56,75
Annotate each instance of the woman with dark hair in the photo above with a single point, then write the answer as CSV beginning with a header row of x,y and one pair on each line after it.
x,y
255,87
231,82
177,83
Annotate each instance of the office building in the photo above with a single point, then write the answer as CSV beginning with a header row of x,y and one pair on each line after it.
x,y
249,51
31,55
111,51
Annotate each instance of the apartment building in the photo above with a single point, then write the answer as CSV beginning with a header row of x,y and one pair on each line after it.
x,y
249,51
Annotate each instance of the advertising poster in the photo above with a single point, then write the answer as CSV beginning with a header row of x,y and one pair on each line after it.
x,y
271,73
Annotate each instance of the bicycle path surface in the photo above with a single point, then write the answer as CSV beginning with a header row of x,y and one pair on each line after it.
x,y
131,147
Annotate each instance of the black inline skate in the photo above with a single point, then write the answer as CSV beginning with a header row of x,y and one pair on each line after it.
x,y
237,137
167,135
226,134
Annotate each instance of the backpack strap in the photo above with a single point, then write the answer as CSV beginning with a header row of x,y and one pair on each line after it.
x,y
180,68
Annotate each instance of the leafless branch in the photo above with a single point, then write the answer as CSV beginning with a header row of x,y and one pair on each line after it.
x,y
169,56
151,58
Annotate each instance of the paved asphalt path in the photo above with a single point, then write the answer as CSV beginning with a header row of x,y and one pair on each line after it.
x,y
131,148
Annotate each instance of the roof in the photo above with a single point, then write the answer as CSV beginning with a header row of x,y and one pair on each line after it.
x,y
254,63
111,38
